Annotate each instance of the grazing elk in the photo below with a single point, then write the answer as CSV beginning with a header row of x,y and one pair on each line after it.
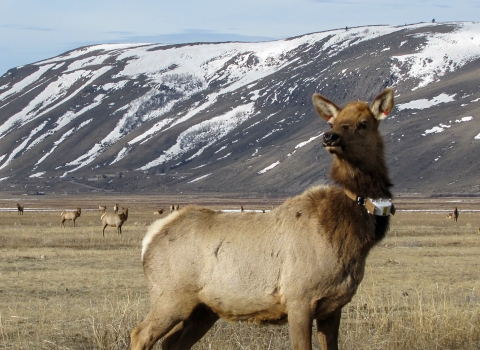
x,y
159,212
102,208
114,220
20,209
70,215
115,208
301,262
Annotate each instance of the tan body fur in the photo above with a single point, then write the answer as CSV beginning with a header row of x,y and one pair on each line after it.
x,y
70,215
303,261
102,208
115,220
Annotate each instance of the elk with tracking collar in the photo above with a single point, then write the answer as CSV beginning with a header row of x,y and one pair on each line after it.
x,y
300,263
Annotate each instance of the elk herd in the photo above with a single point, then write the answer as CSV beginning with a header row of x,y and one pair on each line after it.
x,y
114,219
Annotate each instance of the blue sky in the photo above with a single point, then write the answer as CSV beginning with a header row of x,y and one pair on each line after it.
x,y
33,30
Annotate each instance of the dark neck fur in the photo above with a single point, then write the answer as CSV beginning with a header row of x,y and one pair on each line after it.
x,y
365,180
372,182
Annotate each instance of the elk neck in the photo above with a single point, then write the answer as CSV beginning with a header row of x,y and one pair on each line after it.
x,y
371,182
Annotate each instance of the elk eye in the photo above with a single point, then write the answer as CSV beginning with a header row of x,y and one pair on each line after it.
x,y
362,125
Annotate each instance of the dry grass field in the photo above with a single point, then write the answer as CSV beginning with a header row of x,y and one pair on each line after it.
x,y
69,288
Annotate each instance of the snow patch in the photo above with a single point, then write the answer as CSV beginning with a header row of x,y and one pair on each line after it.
x,y
270,167
199,178
424,103
39,174
205,133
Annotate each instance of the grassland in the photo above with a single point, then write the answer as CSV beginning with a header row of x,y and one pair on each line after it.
x,y
69,288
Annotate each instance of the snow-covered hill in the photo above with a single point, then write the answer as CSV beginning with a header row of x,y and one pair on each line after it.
x,y
237,116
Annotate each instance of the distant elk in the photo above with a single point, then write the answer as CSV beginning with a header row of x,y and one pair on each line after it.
x,y
174,207
102,208
114,220
300,263
115,208
20,209
70,215
159,212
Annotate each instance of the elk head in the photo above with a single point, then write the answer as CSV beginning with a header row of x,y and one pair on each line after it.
x,y
354,136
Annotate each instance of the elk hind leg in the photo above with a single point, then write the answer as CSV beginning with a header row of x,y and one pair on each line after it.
x,y
187,333
327,330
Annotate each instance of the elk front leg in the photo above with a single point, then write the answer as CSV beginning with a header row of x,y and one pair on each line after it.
x,y
327,330
300,325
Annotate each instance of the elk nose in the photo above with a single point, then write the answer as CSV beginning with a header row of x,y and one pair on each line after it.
x,y
329,138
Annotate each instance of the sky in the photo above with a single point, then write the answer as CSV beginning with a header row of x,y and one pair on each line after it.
x,y
34,30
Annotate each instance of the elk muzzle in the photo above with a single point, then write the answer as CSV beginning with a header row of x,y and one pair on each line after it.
x,y
331,141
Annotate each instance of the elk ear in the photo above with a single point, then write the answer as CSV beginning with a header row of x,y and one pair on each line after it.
x,y
383,104
325,108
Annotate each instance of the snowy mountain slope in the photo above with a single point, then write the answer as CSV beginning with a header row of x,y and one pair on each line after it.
x,y
238,116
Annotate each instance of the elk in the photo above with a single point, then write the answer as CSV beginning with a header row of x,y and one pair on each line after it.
x,y
455,214
159,212
20,209
299,263
102,208
115,208
174,207
70,215
114,220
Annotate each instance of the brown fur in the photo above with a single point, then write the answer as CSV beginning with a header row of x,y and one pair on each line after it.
x,y
20,209
70,215
455,214
114,220
301,262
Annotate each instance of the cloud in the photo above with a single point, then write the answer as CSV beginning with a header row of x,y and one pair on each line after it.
x,y
28,28
190,35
